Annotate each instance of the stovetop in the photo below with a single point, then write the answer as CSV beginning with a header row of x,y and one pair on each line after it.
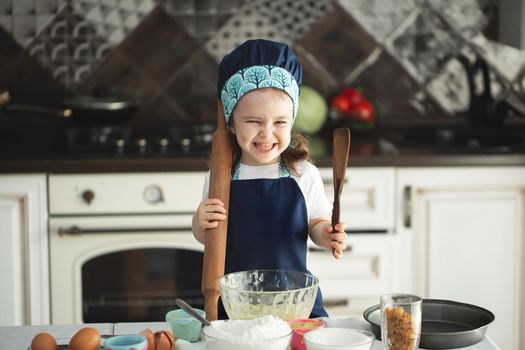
x,y
122,143
103,143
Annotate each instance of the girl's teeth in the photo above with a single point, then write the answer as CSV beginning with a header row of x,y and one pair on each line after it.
x,y
264,146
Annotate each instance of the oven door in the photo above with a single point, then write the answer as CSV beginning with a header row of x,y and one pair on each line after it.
x,y
122,268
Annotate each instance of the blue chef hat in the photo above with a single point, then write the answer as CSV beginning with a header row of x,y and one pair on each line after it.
x,y
258,64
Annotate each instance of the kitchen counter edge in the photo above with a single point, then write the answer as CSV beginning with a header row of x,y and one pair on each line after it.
x,y
202,164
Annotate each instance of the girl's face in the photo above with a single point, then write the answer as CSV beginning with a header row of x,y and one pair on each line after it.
x,y
262,124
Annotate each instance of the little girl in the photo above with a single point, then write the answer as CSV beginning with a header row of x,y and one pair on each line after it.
x,y
277,197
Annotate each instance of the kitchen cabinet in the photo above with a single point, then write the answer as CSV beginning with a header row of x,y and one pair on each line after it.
x,y
367,269
461,237
24,287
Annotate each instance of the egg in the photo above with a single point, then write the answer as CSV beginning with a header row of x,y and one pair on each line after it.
x,y
148,334
85,339
43,341
164,340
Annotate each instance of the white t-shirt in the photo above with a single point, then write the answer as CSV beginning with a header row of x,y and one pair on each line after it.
x,y
309,181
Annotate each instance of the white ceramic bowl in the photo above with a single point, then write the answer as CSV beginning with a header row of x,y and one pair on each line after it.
x,y
232,337
338,339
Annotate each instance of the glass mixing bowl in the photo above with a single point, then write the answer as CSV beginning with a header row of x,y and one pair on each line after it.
x,y
286,294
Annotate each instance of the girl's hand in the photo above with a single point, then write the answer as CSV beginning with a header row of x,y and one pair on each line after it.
x,y
209,213
336,238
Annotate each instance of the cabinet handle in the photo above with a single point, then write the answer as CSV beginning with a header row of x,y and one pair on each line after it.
x,y
330,181
407,206
348,249
75,230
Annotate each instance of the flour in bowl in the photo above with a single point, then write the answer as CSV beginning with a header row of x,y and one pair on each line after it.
x,y
249,331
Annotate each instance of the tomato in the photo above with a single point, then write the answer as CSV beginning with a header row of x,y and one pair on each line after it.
x,y
340,103
354,97
364,112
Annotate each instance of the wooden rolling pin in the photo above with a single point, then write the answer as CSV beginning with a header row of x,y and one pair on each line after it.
x,y
215,241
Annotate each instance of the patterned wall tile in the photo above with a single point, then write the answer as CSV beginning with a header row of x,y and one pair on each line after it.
x,y
248,23
315,74
425,45
201,18
293,17
450,88
70,37
151,56
113,20
6,7
25,19
379,17
194,90
508,61
452,91
392,90
24,77
154,48
338,43
120,76
45,7
467,17
283,21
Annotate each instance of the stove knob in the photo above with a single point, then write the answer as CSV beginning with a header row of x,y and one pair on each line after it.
x,y
153,194
163,144
119,145
141,145
88,196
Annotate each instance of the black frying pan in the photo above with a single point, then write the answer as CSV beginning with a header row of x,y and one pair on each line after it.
x,y
82,110
445,324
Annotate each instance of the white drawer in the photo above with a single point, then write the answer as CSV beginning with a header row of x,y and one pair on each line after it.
x,y
367,200
125,193
366,270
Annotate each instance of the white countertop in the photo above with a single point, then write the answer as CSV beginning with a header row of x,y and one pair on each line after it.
x,y
19,337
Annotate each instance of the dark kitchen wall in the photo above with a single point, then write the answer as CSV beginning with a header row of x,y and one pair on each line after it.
x,y
402,53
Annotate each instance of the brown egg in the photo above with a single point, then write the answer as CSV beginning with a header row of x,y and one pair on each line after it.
x,y
150,337
43,341
164,340
85,339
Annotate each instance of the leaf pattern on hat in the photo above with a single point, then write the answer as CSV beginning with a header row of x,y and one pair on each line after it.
x,y
282,76
257,77
231,106
233,85
256,74
247,87
270,84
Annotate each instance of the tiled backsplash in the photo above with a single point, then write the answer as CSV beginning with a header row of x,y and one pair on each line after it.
x,y
403,53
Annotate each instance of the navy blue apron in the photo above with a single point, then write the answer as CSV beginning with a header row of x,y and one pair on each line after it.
x,y
267,229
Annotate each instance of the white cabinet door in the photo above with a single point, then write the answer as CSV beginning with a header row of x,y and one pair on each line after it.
x,y
368,268
465,230
367,198
24,287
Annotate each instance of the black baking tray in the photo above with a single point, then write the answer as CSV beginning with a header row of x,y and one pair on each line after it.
x,y
445,324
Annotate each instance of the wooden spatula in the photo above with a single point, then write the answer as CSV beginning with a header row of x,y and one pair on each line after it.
x,y
215,241
341,140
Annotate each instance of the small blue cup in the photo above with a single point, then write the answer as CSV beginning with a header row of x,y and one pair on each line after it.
x,y
126,342
185,326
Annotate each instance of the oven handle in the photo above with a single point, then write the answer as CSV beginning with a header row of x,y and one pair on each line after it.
x,y
75,230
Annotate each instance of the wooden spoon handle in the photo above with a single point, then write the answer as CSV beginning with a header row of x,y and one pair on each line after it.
x,y
341,151
215,240
336,212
